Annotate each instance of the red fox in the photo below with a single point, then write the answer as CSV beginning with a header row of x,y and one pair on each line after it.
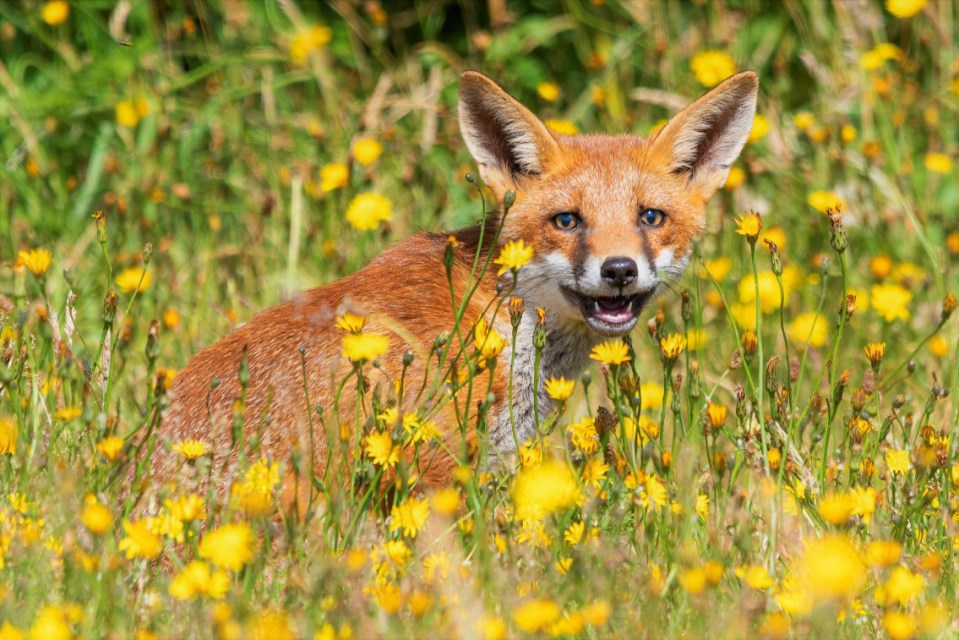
x,y
610,218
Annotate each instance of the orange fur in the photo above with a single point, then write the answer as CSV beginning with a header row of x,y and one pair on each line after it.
x,y
606,180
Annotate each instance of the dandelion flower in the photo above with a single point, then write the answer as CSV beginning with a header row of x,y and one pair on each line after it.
x,y
55,12
821,201
368,210
140,542
899,626
883,553
905,8
333,176
545,488
190,450
229,546
712,67
672,346
360,347
133,279
380,449
350,322
37,261
830,568
879,55
611,352
561,126
536,615
760,128
187,508
863,502
836,508
749,225
307,41
95,516
734,179
366,151
938,162
757,577
559,389
717,269
514,255
8,436
196,579
488,341
111,447
898,461
409,516
126,114
548,91
903,585
891,301
808,328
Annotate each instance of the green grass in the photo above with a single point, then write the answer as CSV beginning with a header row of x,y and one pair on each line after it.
x,y
219,172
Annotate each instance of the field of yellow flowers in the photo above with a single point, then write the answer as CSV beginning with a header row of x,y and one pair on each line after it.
x,y
772,456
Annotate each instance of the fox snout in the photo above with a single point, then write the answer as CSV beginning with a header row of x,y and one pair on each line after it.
x,y
619,271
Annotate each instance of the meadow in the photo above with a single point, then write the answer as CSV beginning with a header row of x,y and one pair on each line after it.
x,y
771,456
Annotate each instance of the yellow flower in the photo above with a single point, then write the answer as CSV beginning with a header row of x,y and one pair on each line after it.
x,y
8,436
692,580
10,632
308,40
712,67
380,449
171,318
536,615
808,328
597,613
584,436
561,126
574,534
51,623
333,176
717,414
879,55
513,255
891,301
271,625
863,502
229,546
190,450
95,516
717,269
702,506
760,128
823,200
830,568
66,414
749,225
899,626
364,346
545,488
905,8
848,133
559,388
938,346
903,585
488,341
366,151
937,162
133,279
757,577
804,120
140,542
768,291
409,516
883,553
37,261
367,210
898,461
350,322
55,12
734,179
111,447
672,346
548,91
875,352
196,579
655,494
836,508
126,114
187,508
611,352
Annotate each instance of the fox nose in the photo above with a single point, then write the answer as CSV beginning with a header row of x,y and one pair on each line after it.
x,y
619,271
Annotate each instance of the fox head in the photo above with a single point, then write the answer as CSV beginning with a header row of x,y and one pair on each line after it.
x,y
610,218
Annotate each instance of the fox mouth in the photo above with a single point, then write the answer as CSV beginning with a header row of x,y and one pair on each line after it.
x,y
609,315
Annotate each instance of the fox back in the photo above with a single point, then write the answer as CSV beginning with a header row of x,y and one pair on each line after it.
x,y
611,219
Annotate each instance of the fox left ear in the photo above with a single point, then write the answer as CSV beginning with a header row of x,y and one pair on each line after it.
x,y
704,139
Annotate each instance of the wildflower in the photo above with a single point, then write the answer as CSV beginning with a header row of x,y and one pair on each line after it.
x,y
513,255
133,279
804,120
836,508
938,347
808,328
545,488
350,322
891,301
584,436
822,201
548,91
848,133
360,347
488,341
446,501
190,450
196,579
768,285
574,534
863,502
879,55
126,114
693,580
759,129
37,261
717,415
898,461
830,568
171,318
750,342
307,41
409,516
559,389
655,495
880,266
8,436
366,151
140,542
905,8
229,546
95,516
899,626
749,225
187,508
937,162
597,613
712,67
367,210
536,615
493,628
883,553
717,269
51,623
66,414
702,506
561,126
903,585
734,179
611,352
333,176
111,447
380,449
875,351
672,346
652,393
55,12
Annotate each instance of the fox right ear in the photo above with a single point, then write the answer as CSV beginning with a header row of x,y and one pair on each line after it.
x,y
504,137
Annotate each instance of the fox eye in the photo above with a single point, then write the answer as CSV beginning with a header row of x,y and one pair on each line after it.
x,y
652,217
566,221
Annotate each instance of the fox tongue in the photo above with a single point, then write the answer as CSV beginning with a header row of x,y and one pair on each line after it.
x,y
613,310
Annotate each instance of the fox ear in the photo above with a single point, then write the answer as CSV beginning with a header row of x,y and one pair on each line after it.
x,y
504,137
704,139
